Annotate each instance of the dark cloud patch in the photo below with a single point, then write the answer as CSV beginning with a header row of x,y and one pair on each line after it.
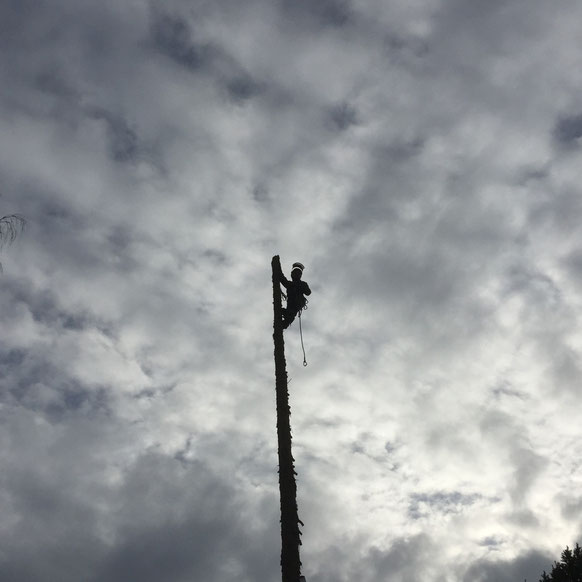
x,y
53,81
119,249
75,399
123,140
12,357
173,37
526,567
261,193
390,447
15,18
54,533
242,88
41,387
540,288
215,256
568,130
37,379
561,211
531,175
214,549
491,542
62,229
180,551
400,151
45,308
325,13
505,389
422,504
342,116
528,466
210,534
170,521
406,560
524,519
573,263
402,48
571,508
379,197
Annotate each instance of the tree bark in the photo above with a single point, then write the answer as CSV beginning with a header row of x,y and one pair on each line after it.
x,y
290,541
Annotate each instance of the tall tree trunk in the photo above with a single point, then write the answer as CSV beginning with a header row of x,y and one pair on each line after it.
x,y
290,542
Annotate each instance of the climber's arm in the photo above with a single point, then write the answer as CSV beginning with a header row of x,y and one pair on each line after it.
x,y
283,280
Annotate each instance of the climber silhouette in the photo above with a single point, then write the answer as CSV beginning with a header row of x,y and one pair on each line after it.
x,y
296,291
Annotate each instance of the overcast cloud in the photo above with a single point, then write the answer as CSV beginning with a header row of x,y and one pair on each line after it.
x,y
422,159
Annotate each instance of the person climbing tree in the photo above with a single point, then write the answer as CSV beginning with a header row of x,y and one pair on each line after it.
x,y
296,292
290,532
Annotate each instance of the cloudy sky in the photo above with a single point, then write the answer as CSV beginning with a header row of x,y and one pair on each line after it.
x,y
421,158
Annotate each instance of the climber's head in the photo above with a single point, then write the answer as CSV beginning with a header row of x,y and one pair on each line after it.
x,y
297,271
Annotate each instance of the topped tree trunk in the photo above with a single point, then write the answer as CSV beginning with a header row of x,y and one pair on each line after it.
x,y
290,542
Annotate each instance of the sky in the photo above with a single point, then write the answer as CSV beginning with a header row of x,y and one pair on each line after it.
x,y
422,159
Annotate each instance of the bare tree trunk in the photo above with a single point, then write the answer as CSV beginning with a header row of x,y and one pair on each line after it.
x,y
290,542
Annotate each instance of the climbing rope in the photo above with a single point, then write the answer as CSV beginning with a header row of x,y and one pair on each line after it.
x,y
300,328
301,333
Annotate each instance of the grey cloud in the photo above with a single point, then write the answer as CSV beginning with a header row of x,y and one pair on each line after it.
x,y
525,567
15,20
505,388
573,262
407,560
571,507
404,47
205,534
533,174
539,288
561,212
35,383
524,519
173,37
53,81
243,88
261,193
491,542
422,504
402,184
53,529
199,530
527,464
123,140
568,130
342,116
45,308
401,151
322,13
490,27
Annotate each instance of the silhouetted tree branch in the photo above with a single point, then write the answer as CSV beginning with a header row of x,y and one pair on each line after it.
x,y
11,226
568,569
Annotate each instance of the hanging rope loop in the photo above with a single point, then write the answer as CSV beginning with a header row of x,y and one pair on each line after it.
x,y
304,308
301,333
